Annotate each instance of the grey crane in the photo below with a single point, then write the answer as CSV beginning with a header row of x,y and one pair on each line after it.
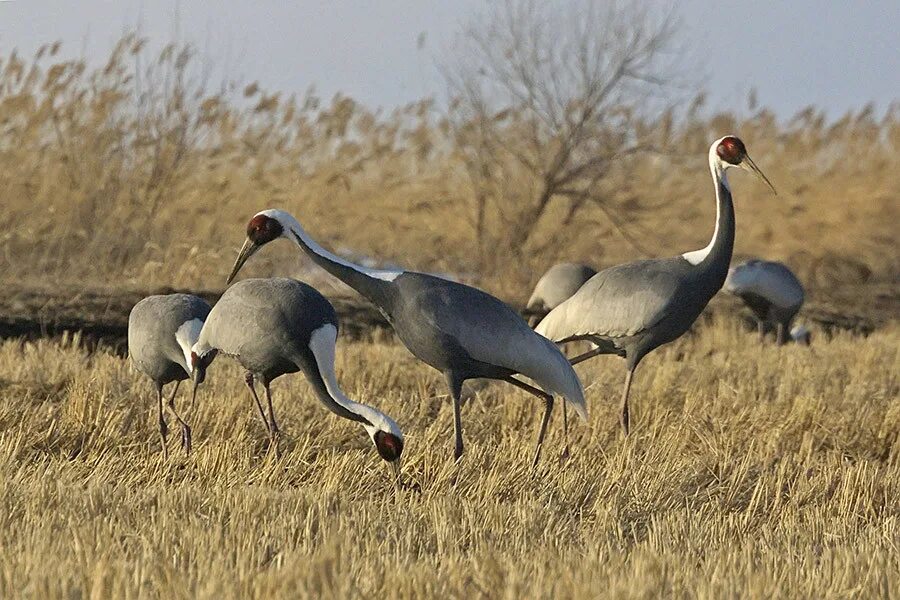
x,y
631,309
773,293
555,286
161,331
459,330
273,327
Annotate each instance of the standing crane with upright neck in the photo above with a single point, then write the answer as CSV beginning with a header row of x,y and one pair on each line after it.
x,y
631,309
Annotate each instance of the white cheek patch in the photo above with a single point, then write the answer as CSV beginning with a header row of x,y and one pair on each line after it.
x,y
186,336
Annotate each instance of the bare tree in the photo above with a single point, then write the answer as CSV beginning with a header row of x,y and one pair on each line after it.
x,y
545,99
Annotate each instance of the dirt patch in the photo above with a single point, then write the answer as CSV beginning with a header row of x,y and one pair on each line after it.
x,y
100,315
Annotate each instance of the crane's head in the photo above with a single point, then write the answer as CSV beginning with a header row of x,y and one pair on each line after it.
x,y
386,436
200,360
264,227
730,151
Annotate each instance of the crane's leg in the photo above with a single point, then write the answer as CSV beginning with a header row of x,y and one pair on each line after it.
x,y
185,428
548,409
163,428
624,417
455,384
761,330
589,354
782,334
565,452
248,379
273,425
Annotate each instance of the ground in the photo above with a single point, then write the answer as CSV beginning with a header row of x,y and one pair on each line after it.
x,y
749,471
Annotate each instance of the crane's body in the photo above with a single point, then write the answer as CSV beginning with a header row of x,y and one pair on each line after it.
x,y
161,331
772,292
556,285
631,309
463,332
274,327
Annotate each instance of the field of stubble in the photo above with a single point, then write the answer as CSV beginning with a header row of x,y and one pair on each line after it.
x,y
748,472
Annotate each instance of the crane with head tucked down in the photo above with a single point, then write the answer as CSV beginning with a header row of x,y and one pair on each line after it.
x,y
273,327
631,309
462,331
161,331
773,293
556,285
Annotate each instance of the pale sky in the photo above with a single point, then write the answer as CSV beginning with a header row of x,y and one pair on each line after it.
x,y
837,55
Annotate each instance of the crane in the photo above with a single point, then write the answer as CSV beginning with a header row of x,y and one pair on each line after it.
x,y
459,330
631,309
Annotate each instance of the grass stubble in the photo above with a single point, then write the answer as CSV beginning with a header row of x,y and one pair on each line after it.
x,y
750,472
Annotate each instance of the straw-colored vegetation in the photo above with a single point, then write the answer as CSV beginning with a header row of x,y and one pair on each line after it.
x,y
129,173
750,472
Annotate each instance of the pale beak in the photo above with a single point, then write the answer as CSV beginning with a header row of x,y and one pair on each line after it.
x,y
395,466
247,250
749,165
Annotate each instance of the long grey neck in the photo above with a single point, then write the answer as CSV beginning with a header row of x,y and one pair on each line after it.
x,y
712,261
375,284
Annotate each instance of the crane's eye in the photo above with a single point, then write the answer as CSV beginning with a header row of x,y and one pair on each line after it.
x,y
731,150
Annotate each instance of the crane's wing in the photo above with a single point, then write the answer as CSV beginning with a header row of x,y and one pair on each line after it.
x,y
621,301
489,331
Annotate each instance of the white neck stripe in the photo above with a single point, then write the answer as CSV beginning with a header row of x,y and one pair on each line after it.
x,y
696,257
295,228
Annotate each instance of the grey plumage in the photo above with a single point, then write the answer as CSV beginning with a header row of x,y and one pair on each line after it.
x,y
461,331
161,331
772,291
278,326
631,309
556,285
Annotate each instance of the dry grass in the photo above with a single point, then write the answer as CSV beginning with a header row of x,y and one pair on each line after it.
x,y
749,473
147,175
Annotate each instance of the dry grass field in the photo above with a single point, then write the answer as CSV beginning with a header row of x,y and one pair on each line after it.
x,y
750,472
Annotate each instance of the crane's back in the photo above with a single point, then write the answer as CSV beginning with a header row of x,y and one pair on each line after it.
x,y
266,324
153,327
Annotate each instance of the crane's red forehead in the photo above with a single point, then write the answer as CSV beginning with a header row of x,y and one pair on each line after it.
x,y
258,222
731,149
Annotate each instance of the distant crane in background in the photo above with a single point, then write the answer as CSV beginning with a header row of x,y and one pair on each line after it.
x,y
273,327
463,332
556,285
161,331
631,309
774,294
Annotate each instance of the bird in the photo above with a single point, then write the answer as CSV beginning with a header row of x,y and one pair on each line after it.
x,y
161,331
459,330
631,309
277,326
773,293
555,286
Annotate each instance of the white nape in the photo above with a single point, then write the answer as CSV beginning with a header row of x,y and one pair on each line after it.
x,y
186,336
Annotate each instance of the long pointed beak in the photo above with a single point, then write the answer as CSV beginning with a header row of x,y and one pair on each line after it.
x,y
194,392
751,166
395,466
247,250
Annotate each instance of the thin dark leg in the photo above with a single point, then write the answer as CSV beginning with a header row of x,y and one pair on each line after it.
x,y
185,428
248,379
565,452
273,425
624,418
548,409
782,334
761,329
586,355
455,384
163,428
